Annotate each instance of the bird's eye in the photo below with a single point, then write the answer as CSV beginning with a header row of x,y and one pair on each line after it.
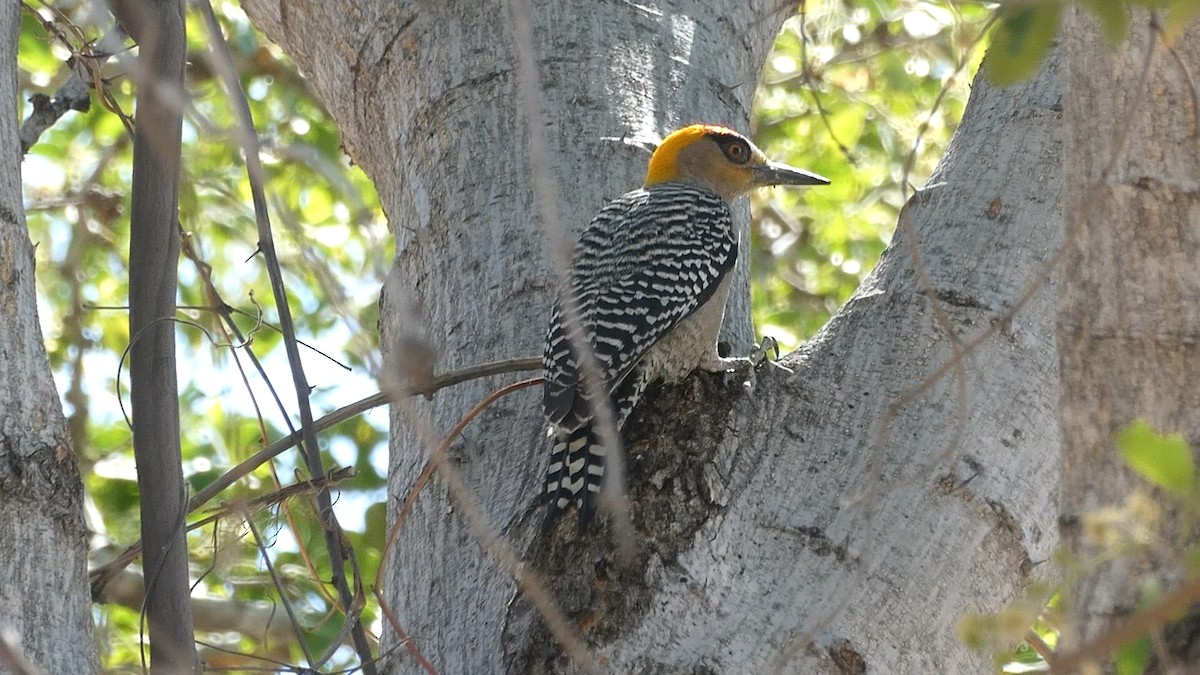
x,y
737,151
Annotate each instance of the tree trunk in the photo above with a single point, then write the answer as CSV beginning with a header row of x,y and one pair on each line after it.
x,y
786,528
1130,310
45,606
789,529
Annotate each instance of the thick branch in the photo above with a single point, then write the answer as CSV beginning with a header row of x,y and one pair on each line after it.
x,y
158,27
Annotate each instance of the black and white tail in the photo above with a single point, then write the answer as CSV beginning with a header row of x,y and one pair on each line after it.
x,y
574,475
578,456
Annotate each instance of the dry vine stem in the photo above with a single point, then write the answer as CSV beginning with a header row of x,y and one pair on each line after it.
x,y
101,575
1169,608
406,508
495,546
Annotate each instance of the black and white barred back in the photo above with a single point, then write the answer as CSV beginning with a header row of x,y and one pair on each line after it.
x,y
647,261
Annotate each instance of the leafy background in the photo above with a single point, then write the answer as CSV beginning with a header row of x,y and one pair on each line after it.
x,y
866,93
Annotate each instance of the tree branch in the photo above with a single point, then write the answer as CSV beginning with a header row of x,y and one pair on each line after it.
x,y
103,575
223,62
1168,608
158,27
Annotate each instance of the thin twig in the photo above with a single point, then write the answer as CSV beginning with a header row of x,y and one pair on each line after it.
x,y
959,353
427,472
807,74
498,549
431,465
402,636
75,92
283,599
279,496
1167,609
220,307
1045,651
592,381
1191,85
102,574
278,667
248,138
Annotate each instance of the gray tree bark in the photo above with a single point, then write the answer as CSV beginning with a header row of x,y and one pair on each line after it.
x,y
45,606
787,529
1129,328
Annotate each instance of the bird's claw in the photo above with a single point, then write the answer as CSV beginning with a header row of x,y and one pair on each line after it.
x,y
761,353
741,370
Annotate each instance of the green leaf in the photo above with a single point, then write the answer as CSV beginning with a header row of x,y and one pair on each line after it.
x,y
1165,460
1113,16
117,495
1155,4
1020,41
1133,657
1180,15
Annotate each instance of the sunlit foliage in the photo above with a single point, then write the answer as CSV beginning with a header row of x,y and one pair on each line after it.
x,y
866,93
334,249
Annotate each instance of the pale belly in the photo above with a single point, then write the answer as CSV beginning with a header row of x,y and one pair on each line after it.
x,y
691,344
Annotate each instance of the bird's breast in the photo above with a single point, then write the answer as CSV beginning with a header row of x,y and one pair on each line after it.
x,y
692,342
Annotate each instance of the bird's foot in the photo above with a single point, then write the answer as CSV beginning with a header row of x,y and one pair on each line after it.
x,y
741,370
762,351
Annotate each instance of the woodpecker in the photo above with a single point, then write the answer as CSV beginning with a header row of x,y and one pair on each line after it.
x,y
645,297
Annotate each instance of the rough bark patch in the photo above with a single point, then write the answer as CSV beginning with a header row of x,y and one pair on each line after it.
x,y
670,442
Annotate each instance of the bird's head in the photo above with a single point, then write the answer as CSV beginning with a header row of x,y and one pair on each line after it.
x,y
721,160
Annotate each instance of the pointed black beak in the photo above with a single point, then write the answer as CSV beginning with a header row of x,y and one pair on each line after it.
x,y
774,173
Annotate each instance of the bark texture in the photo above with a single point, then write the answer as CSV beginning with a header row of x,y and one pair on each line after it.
x,y
785,531
1129,328
45,607
782,529
428,95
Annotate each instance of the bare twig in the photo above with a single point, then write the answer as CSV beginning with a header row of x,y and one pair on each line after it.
x,y
431,465
283,599
279,496
100,575
1043,650
603,421
959,354
498,549
807,72
422,480
403,637
75,93
1167,609
1191,85
223,64
104,574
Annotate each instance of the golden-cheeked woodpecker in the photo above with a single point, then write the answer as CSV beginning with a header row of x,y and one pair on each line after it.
x,y
646,295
